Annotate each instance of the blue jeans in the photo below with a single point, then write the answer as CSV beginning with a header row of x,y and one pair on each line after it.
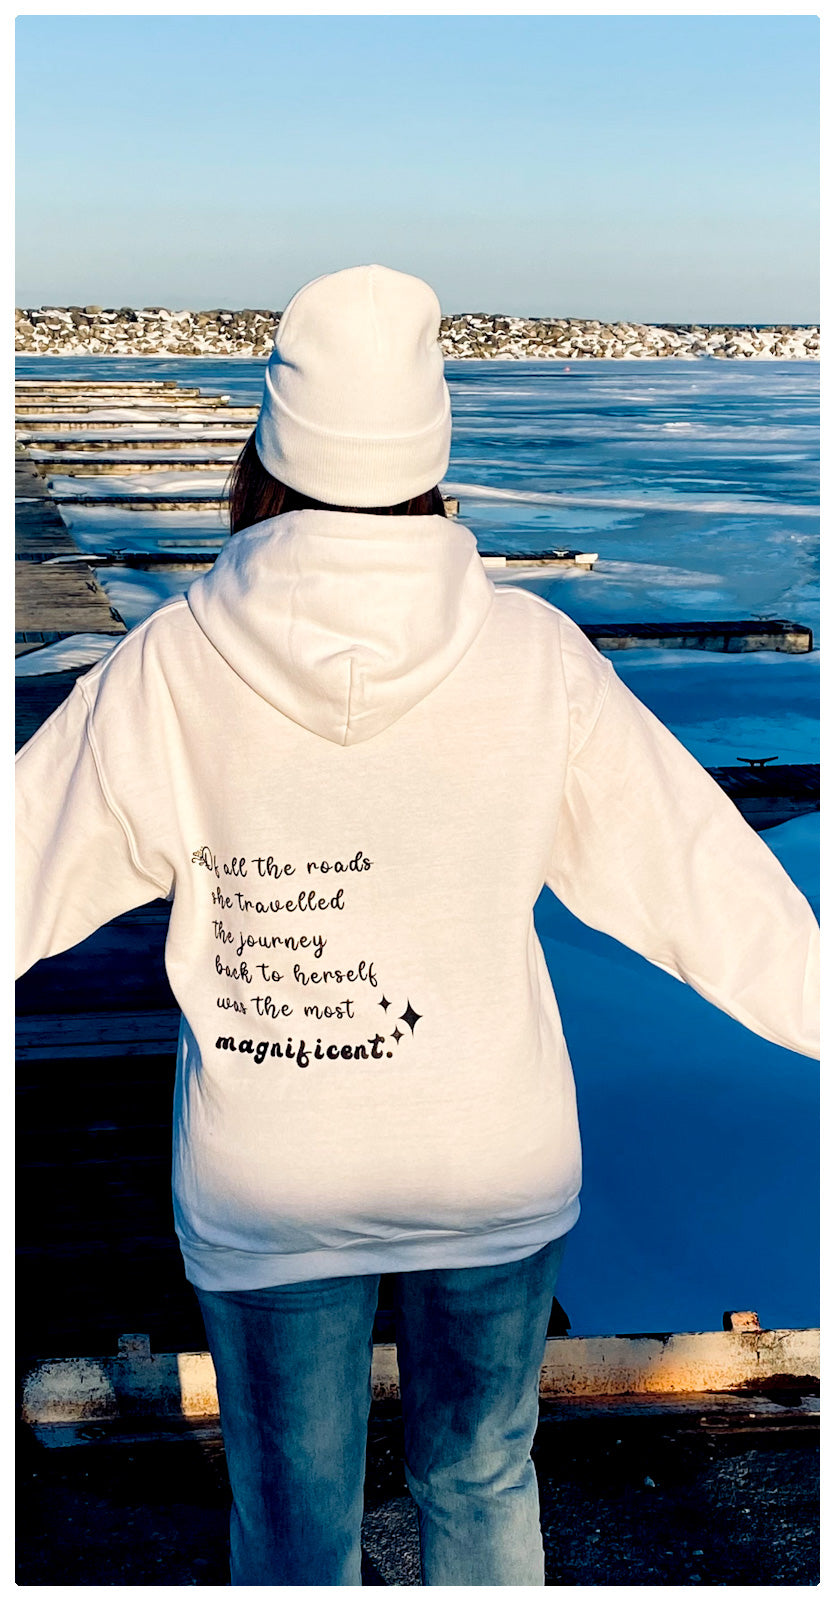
x,y
293,1368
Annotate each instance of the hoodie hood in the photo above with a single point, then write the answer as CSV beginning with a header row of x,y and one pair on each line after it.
x,y
343,621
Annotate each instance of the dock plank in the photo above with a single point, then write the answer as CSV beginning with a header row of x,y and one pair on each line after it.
x,y
140,439
26,405
162,500
61,600
28,483
89,464
25,384
131,416
52,601
734,635
106,1033
40,532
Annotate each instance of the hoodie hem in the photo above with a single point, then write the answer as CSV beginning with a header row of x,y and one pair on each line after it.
x,y
218,1268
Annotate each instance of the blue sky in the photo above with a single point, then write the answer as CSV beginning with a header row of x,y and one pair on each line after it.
x,y
653,167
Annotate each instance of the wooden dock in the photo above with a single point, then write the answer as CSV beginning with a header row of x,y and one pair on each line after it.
x,y
734,636
135,460
52,601
164,500
172,402
57,592
129,419
101,444
769,795
75,436
89,443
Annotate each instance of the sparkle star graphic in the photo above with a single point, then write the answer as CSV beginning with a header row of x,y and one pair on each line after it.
x,y
410,1016
384,1003
396,1035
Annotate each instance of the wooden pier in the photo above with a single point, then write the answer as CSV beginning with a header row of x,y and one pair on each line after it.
x,y
772,633
103,444
84,433
768,795
52,601
133,459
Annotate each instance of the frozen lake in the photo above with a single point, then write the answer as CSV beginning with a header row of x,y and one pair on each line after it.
x,y
697,483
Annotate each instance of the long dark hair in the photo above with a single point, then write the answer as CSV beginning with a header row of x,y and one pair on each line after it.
x,y
254,495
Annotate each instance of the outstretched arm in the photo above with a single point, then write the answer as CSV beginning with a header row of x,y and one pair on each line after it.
x,y
77,860
649,849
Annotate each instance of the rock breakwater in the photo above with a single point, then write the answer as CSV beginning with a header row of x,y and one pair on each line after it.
x,y
155,331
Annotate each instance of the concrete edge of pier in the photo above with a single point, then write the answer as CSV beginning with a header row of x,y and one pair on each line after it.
x,y
667,1366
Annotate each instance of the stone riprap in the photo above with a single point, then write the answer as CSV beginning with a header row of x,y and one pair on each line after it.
x,y
154,331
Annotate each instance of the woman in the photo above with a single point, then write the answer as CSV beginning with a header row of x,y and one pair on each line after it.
x,y
352,764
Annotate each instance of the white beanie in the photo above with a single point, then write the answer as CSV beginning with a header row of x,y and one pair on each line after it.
x,y
356,409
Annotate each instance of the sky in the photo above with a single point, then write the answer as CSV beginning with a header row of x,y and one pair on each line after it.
x,y
655,168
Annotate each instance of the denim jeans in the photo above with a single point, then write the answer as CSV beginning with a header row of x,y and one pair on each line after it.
x,y
293,1368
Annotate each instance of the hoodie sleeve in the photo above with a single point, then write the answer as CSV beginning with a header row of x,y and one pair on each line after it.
x,y
76,857
649,849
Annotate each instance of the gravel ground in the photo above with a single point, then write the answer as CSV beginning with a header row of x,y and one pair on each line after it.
x,y
651,1500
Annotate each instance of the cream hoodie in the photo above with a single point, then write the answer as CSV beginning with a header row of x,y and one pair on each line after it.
x,y
352,764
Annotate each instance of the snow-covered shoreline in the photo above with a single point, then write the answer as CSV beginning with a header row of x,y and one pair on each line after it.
x,y
155,331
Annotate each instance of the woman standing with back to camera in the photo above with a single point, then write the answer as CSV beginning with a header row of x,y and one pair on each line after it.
x,y
352,764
